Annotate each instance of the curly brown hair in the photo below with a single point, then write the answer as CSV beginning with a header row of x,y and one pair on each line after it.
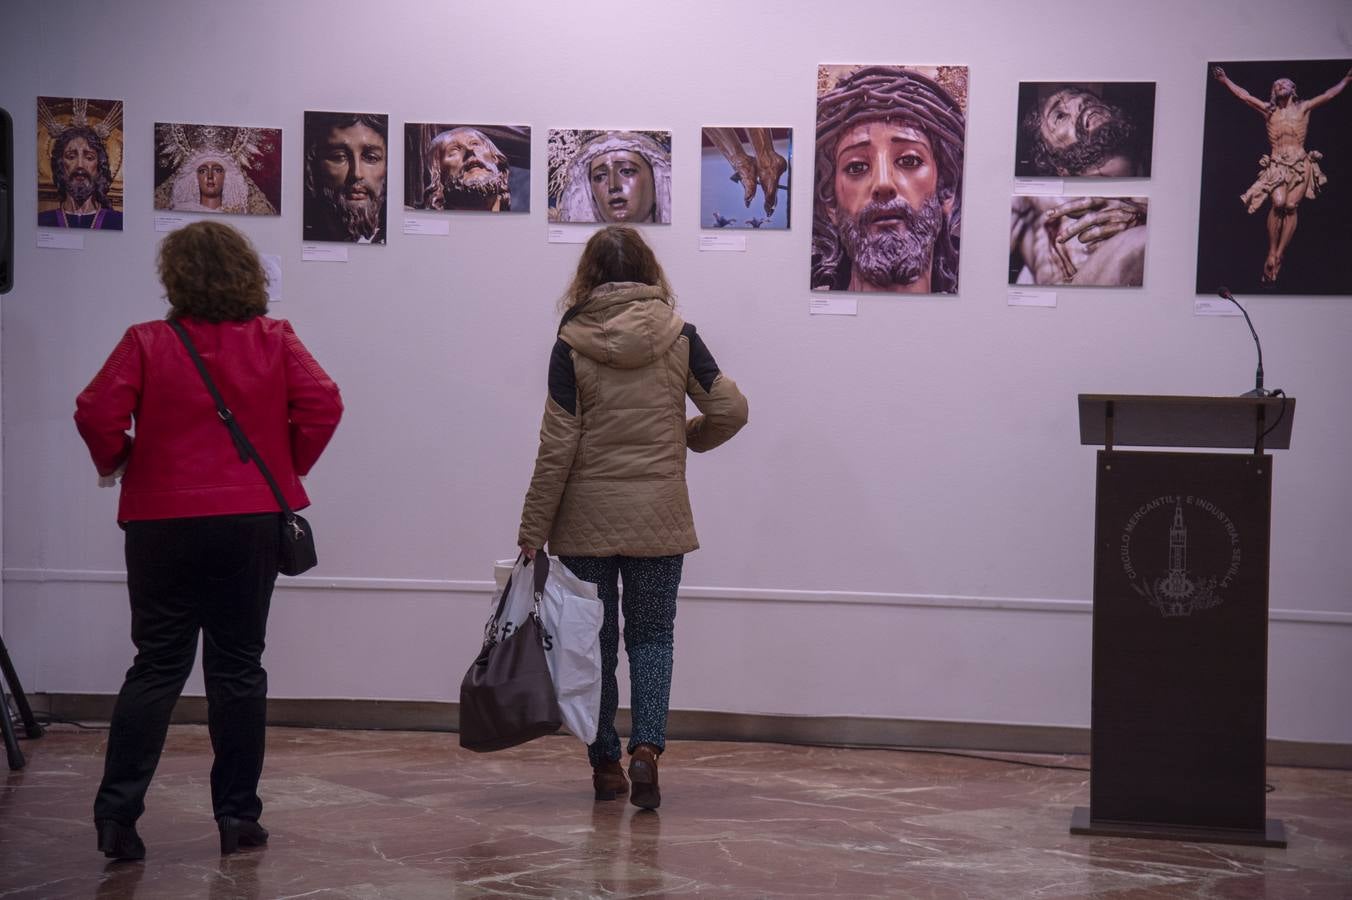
x,y
615,253
210,271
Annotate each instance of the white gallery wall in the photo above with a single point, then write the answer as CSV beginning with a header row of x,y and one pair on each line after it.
x,y
904,529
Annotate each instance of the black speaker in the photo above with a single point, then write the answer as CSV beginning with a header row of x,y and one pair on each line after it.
x,y
6,202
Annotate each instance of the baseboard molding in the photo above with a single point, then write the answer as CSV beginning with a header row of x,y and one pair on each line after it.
x,y
695,725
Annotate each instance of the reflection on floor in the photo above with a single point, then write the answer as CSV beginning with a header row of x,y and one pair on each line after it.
x,y
409,815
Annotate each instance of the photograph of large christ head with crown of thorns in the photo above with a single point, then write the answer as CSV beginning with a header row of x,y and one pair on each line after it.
x,y
887,192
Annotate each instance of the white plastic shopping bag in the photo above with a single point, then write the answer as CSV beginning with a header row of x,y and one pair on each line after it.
x,y
571,615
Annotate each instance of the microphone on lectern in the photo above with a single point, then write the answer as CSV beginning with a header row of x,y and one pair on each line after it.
x,y
1257,391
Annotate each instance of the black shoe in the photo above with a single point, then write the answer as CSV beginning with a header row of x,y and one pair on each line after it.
x,y
236,833
118,841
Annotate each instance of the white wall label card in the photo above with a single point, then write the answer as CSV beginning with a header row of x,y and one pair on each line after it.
x,y
272,267
1021,297
1039,187
833,306
731,243
171,221
570,234
413,225
1214,306
61,240
323,252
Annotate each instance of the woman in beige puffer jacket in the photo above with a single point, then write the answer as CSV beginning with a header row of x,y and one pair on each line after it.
x,y
608,495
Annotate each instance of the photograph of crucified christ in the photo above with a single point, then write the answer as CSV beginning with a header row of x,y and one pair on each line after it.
x,y
1302,174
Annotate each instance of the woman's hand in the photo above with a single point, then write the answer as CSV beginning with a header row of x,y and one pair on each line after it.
x,y
110,480
528,552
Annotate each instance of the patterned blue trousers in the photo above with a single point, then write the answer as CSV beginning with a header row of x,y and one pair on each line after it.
x,y
649,607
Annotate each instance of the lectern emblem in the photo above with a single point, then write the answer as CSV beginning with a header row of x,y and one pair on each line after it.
x,y
1180,552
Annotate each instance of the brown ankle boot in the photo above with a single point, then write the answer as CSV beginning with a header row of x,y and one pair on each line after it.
x,y
643,773
609,781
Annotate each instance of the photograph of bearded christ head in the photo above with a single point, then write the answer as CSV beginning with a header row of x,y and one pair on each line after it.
x,y
346,169
887,192
1082,129
474,168
79,150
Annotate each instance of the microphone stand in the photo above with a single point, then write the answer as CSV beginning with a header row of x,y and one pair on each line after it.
x,y
1258,390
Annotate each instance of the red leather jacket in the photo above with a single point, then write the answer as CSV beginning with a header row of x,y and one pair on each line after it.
x,y
182,461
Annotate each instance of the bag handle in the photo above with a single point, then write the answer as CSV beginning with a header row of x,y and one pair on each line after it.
x,y
541,575
541,563
242,445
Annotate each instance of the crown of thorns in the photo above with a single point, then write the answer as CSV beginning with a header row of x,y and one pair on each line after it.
x,y
891,92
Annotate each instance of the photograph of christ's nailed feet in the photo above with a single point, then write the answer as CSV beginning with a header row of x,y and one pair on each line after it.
x,y
744,177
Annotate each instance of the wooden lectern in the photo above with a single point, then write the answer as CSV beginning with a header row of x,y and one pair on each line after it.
x,y
1178,721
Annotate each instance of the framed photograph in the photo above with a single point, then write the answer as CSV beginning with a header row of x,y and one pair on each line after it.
x,y
1080,241
218,169
745,174
346,177
1276,209
1085,129
466,168
610,176
887,192
79,163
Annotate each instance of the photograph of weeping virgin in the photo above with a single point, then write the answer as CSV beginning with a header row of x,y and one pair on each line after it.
x,y
470,168
744,177
887,191
346,177
218,169
1078,241
610,176
79,150
1276,209
1085,129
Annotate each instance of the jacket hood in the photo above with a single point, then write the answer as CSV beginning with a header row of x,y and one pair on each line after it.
x,y
623,325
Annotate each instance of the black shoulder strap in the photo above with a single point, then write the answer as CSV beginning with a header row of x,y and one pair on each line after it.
x,y
246,449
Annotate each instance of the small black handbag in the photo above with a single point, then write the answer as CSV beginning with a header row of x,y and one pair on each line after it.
x,y
507,697
296,552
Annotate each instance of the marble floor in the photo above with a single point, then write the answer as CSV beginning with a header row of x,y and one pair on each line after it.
x,y
406,815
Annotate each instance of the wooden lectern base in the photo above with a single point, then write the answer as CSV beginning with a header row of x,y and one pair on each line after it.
x,y
1273,834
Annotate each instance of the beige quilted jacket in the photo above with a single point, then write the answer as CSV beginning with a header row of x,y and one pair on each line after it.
x,y
610,473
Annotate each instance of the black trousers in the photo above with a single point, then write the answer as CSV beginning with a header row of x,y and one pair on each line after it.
x,y
212,574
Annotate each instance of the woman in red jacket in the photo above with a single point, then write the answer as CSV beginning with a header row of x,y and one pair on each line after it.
x,y
202,526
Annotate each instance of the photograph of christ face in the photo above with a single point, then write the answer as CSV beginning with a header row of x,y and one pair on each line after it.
x,y
346,177
887,190
466,168
79,151
1083,129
